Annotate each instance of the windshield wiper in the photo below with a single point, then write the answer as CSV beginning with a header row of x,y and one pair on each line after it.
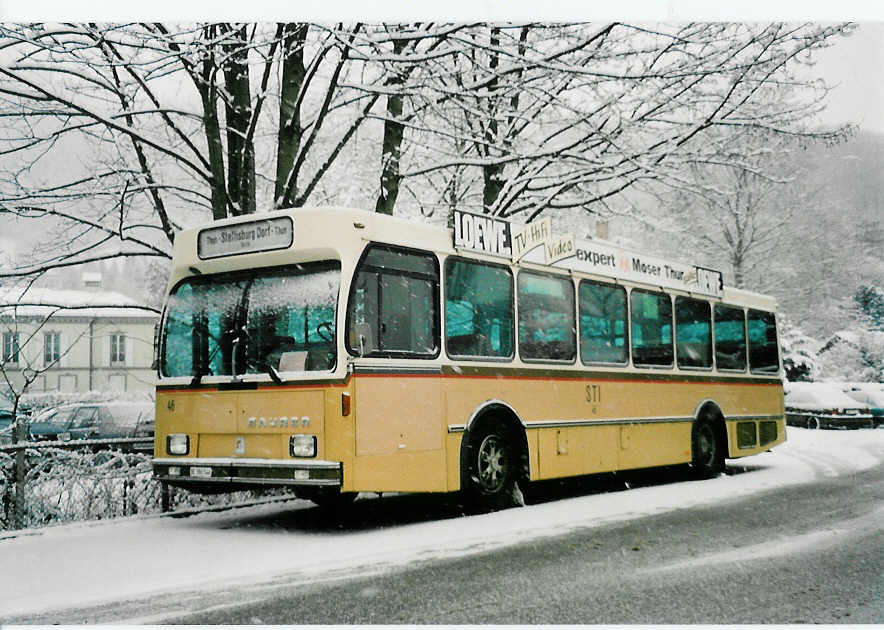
x,y
198,376
273,373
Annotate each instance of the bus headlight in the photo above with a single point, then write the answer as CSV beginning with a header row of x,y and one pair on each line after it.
x,y
302,446
178,444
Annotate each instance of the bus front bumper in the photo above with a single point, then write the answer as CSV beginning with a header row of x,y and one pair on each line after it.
x,y
230,470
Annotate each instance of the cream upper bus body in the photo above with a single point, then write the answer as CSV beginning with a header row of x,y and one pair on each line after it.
x,y
342,234
410,415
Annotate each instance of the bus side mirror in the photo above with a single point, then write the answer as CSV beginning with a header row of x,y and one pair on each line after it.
x,y
365,337
155,363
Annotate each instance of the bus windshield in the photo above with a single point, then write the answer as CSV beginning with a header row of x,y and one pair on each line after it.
x,y
260,322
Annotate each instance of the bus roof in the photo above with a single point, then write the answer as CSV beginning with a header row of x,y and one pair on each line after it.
x,y
338,233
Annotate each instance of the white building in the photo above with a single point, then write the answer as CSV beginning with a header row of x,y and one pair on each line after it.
x,y
75,341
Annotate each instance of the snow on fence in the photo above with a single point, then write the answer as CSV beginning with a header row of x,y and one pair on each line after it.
x,y
90,480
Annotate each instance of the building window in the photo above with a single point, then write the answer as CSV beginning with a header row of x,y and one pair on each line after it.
x,y
51,348
118,349
10,347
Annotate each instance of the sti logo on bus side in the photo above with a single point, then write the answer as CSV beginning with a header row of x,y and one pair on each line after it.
x,y
482,234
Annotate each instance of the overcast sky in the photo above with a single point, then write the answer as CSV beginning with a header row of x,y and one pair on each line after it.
x,y
856,63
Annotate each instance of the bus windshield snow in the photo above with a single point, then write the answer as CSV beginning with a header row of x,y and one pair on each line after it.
x,y
260,322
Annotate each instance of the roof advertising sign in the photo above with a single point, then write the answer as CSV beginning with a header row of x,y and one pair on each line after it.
x,y
536,243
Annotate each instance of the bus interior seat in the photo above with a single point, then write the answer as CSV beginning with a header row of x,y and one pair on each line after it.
x,y
475,345
293,361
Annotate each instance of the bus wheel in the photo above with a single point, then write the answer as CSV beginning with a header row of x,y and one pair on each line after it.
x,y
327,498
707,449
813,422
491,470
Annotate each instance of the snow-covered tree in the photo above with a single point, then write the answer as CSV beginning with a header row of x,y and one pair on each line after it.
x,y
799,352
570,116
869,301
853,355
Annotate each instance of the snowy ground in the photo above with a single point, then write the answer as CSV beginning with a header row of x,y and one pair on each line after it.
x,y
91,563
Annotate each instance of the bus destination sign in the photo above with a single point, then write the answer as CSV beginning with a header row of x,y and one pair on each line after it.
x,y
536,243
246,238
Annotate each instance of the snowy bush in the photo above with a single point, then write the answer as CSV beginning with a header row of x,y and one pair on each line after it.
x,y
64,485
6,488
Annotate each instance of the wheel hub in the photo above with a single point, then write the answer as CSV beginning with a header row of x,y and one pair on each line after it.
x,y
705,444
492,463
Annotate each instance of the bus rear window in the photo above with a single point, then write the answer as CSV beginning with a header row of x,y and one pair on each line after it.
x,y
693,333
763,350
730,338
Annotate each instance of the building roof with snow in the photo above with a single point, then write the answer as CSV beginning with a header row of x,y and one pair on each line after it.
x,y
16,302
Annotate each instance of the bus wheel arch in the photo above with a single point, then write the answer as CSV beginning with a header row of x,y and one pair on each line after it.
x,y
493,458
708,441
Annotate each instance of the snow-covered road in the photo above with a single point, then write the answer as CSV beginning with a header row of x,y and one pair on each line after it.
x,y
93,563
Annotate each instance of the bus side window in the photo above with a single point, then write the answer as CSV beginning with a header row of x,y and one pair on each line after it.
x,y
763,355
546,317
393,306
651,328
478,309
730,338
603,323
693,333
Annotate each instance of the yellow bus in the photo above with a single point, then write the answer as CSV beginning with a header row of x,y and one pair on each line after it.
x,y
337,351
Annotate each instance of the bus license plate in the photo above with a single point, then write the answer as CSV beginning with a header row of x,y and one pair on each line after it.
x,y
200,471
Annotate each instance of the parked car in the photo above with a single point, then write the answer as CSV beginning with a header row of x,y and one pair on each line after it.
x,y
824,405
95,421
871,394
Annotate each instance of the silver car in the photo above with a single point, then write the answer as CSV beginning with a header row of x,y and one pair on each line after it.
x,y
825,406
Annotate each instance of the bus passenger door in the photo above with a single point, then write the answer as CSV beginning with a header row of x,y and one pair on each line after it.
x,y
399,433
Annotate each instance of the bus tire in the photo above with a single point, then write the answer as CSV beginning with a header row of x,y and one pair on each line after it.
x,y
707,448
491,469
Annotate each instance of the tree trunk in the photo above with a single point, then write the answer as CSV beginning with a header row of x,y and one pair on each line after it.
x,y
290,132
737,263
209,94
20,434
240,149
492,174
391,149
